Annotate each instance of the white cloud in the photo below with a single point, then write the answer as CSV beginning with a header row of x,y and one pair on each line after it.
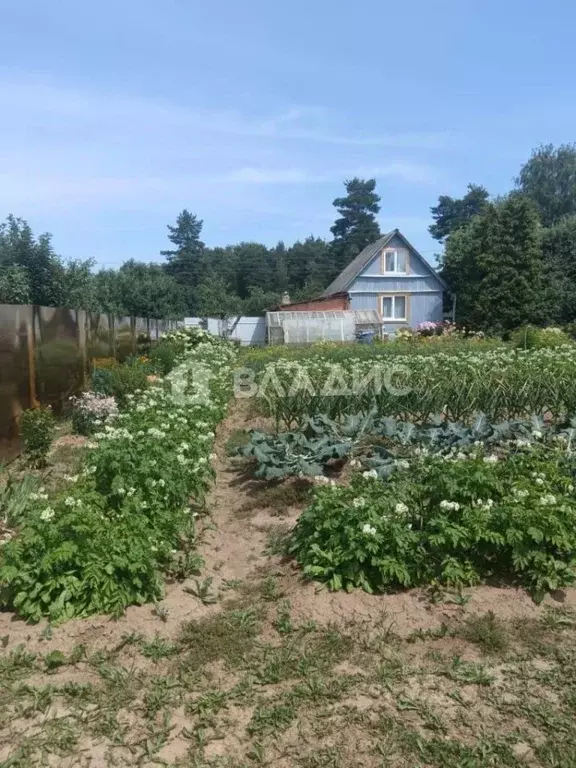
x,y
64,148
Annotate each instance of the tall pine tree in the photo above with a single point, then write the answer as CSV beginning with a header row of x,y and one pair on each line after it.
x,y
185,262
357,226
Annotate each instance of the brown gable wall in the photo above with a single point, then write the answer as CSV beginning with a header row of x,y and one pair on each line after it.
x,y
318,305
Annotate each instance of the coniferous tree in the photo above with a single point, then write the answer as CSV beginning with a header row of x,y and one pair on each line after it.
x,y
357,226
185,261
493,264
452,213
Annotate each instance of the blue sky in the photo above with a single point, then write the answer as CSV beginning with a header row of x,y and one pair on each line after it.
x,y
116,115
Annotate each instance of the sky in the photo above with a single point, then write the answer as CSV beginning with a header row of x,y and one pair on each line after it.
x,y
114,116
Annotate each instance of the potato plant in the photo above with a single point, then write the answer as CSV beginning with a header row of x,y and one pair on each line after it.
x,y
457,520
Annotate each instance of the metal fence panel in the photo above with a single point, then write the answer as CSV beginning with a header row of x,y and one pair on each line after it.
x,y
46,354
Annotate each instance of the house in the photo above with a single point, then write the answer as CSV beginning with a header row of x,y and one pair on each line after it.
x,y
391,277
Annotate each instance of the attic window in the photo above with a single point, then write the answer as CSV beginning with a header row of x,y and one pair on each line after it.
x,y
394,262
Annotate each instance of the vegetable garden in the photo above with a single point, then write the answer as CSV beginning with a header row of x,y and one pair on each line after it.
x,y
438,513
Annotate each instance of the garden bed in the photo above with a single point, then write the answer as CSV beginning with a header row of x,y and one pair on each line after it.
x,y
277,672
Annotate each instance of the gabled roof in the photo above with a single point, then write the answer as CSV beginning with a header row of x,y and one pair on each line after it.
x,y
356,266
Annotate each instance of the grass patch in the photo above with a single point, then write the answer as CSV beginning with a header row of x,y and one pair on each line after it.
x,y
278,497
224,637
486,631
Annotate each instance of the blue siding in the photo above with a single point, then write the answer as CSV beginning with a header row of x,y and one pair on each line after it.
x,y
416,267
383,283
420,284
422,307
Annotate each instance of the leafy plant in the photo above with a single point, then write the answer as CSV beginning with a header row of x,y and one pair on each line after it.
x,y
457,521
104,542
37,431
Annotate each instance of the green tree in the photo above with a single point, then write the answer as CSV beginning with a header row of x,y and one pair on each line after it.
x,y
19,248
452,213
215,299
108,292
259,300
14,285
147,291
309,265
79,285
356,226
559,264
185,261
493,265
254,268
548,178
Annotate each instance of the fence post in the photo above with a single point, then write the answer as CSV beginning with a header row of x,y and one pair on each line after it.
x,y
31,348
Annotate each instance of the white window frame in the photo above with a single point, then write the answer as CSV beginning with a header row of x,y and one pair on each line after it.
x,y
396,252
394,296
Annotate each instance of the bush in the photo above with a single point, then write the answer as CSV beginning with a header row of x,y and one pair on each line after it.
x,y
37,432
164,355
120,381
456,521
90,410
531,337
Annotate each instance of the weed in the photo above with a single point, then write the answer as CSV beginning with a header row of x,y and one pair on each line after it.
x,y
283,621
201,590
158,648
486,631
271,718
227,636
270,589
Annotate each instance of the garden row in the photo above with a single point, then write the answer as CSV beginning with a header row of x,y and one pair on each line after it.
x,y
454,468
501,383
127,517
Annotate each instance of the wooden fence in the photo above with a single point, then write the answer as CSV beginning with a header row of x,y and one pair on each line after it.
x,y
46,354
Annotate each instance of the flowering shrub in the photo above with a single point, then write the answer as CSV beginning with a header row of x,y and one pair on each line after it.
x,y
103,543
37,432
457,521
90,410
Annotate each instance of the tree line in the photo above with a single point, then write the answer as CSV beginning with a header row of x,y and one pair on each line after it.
x,y
193,279
509,259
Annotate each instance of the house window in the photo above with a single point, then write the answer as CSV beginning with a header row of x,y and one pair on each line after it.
x,y
394,308
394,262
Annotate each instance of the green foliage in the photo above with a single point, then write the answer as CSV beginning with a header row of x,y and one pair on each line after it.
x,y
452,213
381,443
164,356
532,337
548,178
501,383
291,453
102,544
14,497
357,226
559,265
14,285
120,381
456,521
37,431
493,264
